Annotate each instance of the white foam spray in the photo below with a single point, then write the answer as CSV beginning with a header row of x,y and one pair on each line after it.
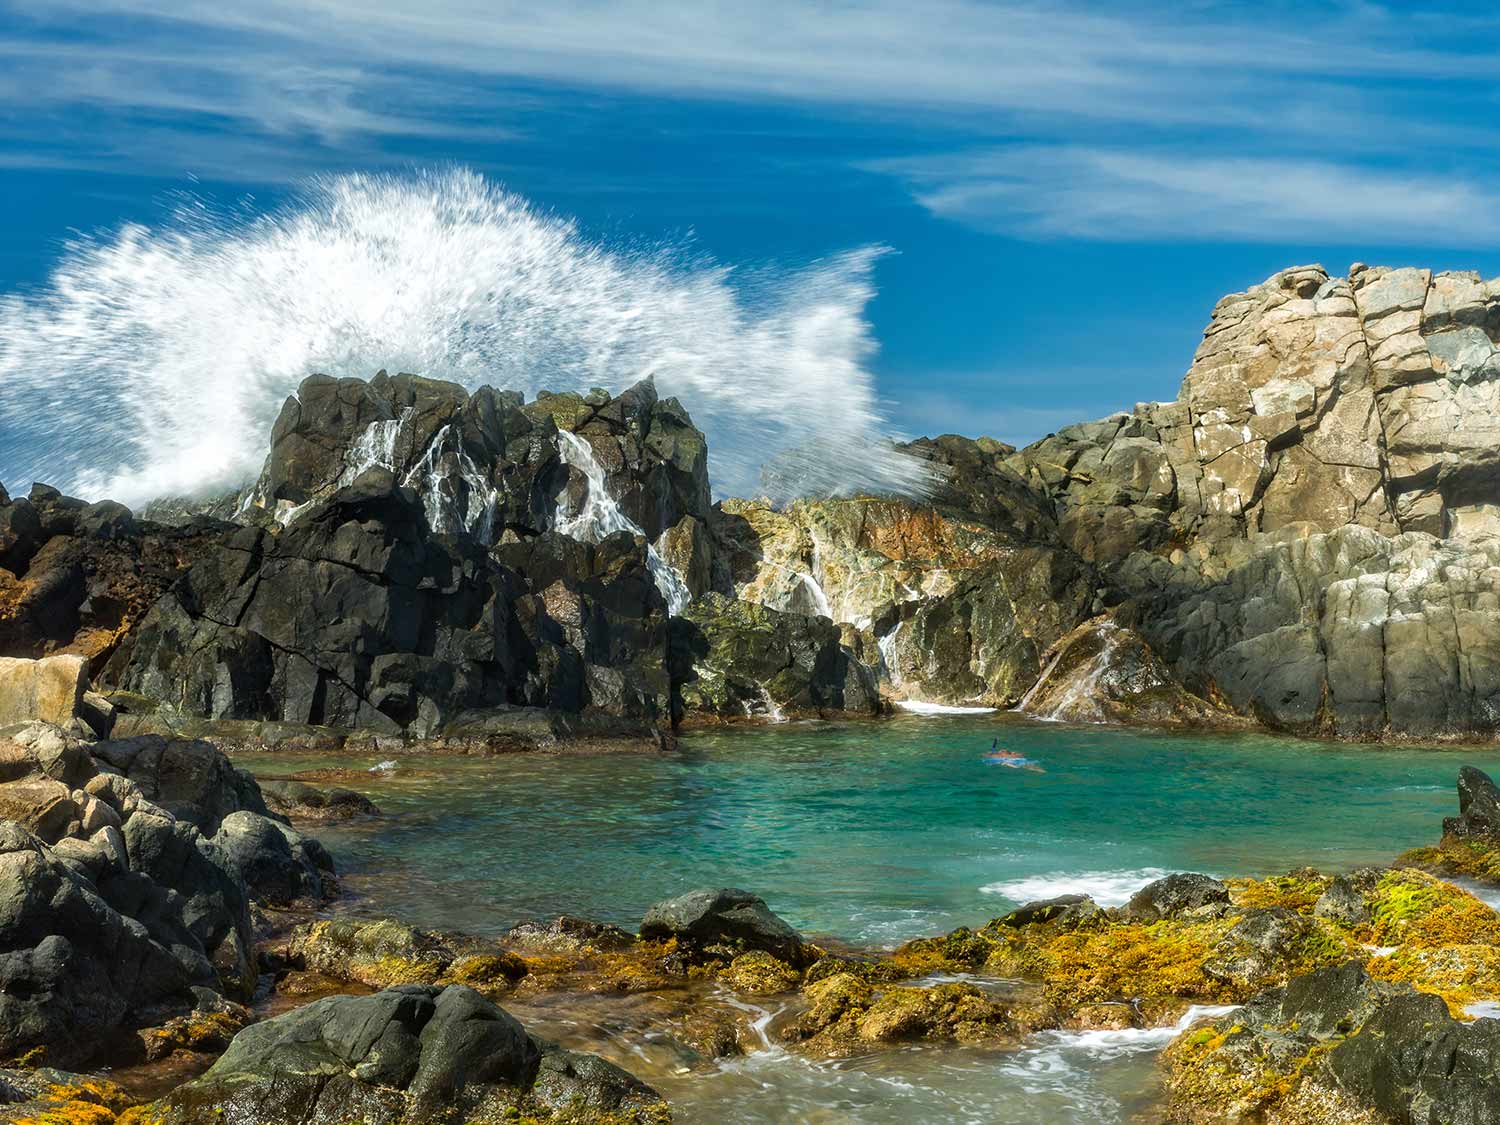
x,y
155,359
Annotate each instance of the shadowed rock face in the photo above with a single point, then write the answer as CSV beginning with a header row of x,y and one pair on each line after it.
x,y
126,873
733,659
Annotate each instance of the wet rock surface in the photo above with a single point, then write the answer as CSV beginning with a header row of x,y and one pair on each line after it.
x,y
723,916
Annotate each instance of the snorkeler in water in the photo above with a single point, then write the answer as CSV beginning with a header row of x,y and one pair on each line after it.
x,y
996,754
1000,757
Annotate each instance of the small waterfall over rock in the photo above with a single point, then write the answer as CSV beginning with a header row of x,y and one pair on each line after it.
x,y
434,477
600,516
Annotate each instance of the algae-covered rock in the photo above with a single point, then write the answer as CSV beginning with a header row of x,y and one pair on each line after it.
x,y
1245,1066
734,658
45,1096
759,974
567,934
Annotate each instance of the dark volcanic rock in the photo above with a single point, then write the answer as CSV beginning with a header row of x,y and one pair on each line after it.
x,y
1478,806
1064,909
1176,894
1417,1065
77,577
415,1053
725,917
417,582
123,886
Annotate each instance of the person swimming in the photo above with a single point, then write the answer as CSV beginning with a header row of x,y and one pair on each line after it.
x,y
997,756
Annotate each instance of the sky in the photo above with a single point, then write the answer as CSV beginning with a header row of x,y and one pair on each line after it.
x,y
1065,189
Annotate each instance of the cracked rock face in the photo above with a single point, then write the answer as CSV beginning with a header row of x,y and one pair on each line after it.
x,y
114,912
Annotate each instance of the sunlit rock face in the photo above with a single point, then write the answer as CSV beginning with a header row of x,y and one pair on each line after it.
x,y
953,605
1103,673
1303,535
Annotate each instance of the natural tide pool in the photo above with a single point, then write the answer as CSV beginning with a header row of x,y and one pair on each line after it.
x,y
873,833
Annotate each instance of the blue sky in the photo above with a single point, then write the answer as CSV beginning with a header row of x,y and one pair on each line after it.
x,y
1067,188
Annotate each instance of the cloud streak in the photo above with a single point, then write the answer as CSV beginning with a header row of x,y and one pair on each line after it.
x,y
1213,120
1120,195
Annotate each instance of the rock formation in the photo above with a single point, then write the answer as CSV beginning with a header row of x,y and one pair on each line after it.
x,y
128,869
1304,535
1308,536
414,1053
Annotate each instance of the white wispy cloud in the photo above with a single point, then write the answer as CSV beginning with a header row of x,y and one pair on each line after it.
x,y
1115,194
1076,119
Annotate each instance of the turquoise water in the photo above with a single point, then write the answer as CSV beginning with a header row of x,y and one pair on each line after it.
x,y
871,832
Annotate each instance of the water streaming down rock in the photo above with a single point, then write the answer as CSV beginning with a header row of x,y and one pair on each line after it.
x,y
599,516
177,345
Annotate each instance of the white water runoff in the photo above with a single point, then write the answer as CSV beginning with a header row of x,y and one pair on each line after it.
x,y
154,360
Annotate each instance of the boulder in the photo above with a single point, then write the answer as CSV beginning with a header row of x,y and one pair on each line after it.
x,y
278,865
1175,895
49,690
1413,1062
1064,909
1478,806
723,917
414,1053
1343,903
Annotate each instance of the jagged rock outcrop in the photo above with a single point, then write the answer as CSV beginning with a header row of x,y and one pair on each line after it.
x,y
114,912
76,578
1304,535
1335,1045
955,608
1305,529
1103,673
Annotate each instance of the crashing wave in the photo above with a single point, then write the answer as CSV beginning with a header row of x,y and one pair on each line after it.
x,y
154,360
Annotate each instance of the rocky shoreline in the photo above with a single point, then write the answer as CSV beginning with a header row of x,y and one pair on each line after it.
x,y
1304,541
163,919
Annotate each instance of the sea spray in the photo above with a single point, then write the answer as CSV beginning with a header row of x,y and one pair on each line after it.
x,y
154,361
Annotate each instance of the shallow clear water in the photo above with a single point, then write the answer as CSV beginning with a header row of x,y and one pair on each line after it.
x,y
874,833
871,832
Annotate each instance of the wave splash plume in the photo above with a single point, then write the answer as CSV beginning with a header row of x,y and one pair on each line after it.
x,y
155,360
